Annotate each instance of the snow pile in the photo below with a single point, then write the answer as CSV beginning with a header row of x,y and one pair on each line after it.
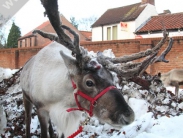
x,y
6,73
146,123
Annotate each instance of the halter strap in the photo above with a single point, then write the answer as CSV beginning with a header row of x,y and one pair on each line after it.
x,y
92,100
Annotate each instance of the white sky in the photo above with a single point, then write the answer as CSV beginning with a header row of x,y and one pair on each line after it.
x,y
31,14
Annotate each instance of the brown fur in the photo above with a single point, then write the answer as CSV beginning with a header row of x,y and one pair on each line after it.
x,y
172,78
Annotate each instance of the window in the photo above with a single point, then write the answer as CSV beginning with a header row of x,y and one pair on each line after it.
x,y
30,42
114,33
20,43
25,42
108,33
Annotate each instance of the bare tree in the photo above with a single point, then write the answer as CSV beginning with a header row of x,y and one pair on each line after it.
x,y
85,23
74,22
2,38
3,21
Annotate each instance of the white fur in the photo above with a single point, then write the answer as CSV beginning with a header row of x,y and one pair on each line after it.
x,y
66,122
45,79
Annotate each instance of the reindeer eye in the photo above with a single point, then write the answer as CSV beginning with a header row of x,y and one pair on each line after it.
x,y
89,83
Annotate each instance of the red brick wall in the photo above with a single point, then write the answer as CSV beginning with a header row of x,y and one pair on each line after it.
x,y
15,58
7,57
25,54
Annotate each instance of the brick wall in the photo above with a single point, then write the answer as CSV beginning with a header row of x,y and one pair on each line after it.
x,y
25,54
7,57
16,57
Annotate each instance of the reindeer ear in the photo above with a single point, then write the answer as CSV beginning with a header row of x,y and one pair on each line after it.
x,y
70,63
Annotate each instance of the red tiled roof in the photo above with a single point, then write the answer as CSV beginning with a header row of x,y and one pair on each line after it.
x,y
87,34
37,28
65,22
169,21
116,15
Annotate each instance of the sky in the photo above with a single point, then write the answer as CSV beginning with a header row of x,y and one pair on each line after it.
x,y
31,14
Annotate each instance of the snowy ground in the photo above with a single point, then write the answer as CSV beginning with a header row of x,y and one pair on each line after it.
x,y
160,120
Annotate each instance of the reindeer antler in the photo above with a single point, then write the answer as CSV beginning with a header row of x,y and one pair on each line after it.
x,y
134,69
125,70
161,58
128,73
51,8
142,54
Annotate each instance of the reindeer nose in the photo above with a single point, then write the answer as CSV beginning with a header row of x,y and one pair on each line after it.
x,y
127,117
126,120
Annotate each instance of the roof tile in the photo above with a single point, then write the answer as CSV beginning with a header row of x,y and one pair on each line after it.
x,y
169,21
87,34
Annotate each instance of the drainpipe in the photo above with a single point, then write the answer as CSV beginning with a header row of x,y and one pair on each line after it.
x,y
102,33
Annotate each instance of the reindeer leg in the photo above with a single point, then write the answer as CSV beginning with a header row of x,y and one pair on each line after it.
x,y
43,116
176,84
62,136
28,108
176,90
51,132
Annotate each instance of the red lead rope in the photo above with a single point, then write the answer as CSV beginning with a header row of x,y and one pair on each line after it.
x,y
76,133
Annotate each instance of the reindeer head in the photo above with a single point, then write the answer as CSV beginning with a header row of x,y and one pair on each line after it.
x,y
92,79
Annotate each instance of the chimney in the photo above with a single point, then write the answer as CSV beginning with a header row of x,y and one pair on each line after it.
x,y
152,2
167,12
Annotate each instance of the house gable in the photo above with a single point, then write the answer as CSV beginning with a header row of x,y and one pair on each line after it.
x,y
124,19
148,12
116,15
30,40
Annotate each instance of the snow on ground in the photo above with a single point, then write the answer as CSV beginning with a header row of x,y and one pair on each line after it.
x,y
146,124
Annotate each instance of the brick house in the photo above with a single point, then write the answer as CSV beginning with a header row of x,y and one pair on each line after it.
x,y
153,28
30,40
121,23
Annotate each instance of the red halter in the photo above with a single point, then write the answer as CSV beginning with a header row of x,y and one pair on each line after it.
x,y
93,100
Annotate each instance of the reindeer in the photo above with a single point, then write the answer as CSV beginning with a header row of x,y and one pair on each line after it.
x,y
61,86
172,78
